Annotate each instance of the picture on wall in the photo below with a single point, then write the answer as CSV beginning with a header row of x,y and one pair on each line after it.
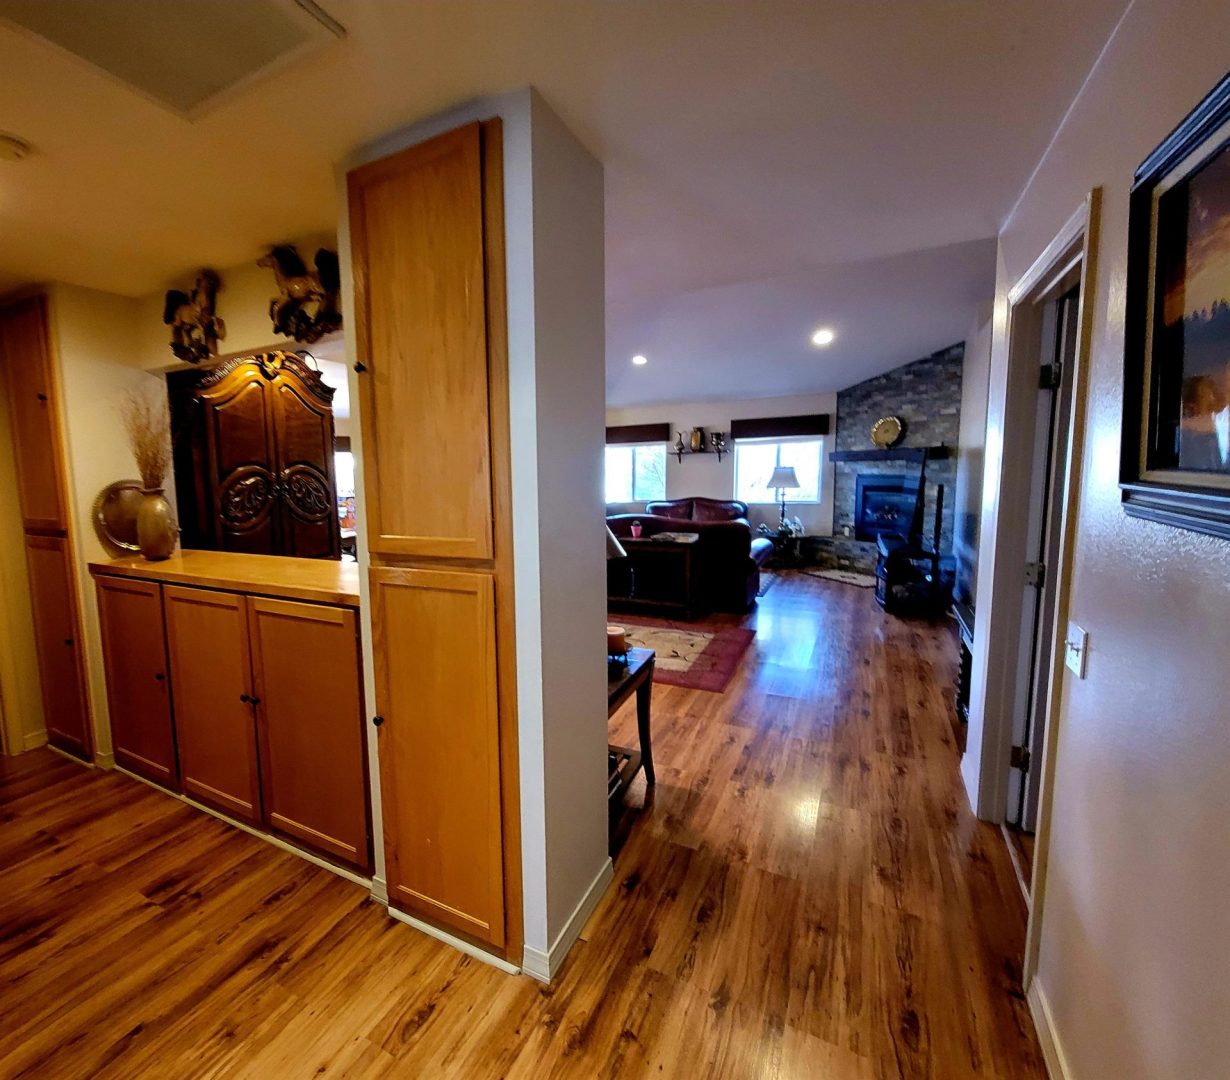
x,y
1176,446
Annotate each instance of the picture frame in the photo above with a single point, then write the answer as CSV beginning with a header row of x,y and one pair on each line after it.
x,y
1175,462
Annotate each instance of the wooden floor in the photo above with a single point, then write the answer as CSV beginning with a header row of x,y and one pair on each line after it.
x,y
806,894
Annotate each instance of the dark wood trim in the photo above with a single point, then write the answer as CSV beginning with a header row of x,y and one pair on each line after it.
x,y
896,453
629,434
270,363
501,482
780,427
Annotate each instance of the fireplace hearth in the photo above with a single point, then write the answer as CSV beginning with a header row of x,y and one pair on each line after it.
x,y
884,505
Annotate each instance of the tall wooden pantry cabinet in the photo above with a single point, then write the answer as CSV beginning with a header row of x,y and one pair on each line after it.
x,y
29,378
427,241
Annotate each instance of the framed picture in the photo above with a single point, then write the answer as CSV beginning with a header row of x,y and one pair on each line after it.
x,y
1175,466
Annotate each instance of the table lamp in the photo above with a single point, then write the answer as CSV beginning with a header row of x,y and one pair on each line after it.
x,y
783,478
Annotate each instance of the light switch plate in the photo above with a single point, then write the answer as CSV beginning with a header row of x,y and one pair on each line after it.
x,y
1076,649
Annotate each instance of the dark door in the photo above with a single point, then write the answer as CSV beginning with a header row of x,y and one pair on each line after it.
x,y
303,437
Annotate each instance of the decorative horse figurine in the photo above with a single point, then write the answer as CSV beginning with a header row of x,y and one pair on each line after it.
x,y
195,328
307,308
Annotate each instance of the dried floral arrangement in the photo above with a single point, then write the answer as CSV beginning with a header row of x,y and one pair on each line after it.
x,y
148,423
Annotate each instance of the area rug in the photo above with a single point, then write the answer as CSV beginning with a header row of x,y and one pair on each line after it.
x,y
846,577
691,656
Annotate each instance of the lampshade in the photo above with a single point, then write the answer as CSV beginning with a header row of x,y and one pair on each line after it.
x,y
614,549
783,477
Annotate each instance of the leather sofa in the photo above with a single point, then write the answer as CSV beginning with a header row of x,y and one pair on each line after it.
x,y
728,554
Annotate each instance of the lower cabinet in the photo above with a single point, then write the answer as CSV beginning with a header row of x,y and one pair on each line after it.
x,y
55,634
138,691
305,659
434,638
250,705
211,680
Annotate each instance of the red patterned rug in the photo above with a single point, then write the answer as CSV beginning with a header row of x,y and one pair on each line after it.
x,y
690,655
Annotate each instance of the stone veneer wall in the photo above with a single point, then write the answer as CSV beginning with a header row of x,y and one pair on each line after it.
x,y
927,396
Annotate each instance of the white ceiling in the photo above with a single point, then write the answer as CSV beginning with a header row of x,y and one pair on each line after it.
x,y
771,166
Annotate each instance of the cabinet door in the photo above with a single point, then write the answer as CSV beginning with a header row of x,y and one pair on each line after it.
x,y
417,247
138,691
211,673
305,661
434,649
303,432
55,634
239,451
26,357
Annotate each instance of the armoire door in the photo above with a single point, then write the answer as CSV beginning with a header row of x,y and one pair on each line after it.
x,y
306,664
25,355
239,462
417,246
211,673
303,436
138,689
55,633
434,650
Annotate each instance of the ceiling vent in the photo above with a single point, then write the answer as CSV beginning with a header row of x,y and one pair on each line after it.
x,y
187,56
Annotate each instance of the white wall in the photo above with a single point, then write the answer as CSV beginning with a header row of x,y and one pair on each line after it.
x,y
705,476
95,337
1134,952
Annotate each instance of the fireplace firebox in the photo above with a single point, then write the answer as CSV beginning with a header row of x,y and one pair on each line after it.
x,y
884,504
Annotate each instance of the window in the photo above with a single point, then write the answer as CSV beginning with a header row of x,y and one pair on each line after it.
x,y
343,470
755,460
635,473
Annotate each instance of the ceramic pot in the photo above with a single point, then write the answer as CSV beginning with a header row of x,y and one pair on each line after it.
x,y
157,531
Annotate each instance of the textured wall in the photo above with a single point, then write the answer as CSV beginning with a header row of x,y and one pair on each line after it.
x,y
927,396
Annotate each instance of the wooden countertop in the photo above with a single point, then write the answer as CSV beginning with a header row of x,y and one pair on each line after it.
x,y
323,581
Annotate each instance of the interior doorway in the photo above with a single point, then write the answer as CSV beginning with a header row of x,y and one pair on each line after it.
x,y
1058,325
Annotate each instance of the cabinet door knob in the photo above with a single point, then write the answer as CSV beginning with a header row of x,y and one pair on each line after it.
x,y
159,676
245,699
256,701
68,641
41,396
359,367
377,721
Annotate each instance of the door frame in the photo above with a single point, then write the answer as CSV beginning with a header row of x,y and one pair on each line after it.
x,y
1000,596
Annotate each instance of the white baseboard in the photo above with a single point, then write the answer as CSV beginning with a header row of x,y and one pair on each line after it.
x,y
34,739
380,890
543,965
269,838
457,943
105,760
1048,1037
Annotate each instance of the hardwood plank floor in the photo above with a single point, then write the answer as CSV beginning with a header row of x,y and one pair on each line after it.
x,y
804,894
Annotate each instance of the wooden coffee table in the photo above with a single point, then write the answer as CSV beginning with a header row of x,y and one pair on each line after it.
x,y
623,763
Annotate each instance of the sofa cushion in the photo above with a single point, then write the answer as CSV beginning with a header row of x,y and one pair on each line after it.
x,y
679,509
762,548
713,510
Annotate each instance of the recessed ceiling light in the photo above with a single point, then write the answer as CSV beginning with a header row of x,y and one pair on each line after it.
x,y
639,360
823,336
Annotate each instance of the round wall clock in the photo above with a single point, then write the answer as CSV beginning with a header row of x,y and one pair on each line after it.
x,y
887,431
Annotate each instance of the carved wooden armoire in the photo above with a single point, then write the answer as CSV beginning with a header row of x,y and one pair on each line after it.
x,y
254,458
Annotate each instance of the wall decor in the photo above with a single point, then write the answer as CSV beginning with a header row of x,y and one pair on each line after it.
x,y
1175,463
195,326
887,431
308,305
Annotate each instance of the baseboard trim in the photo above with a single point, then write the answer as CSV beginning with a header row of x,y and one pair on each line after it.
x,y
1048,1037
543,965
32,740
457,943
269,838
380,890
105,760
